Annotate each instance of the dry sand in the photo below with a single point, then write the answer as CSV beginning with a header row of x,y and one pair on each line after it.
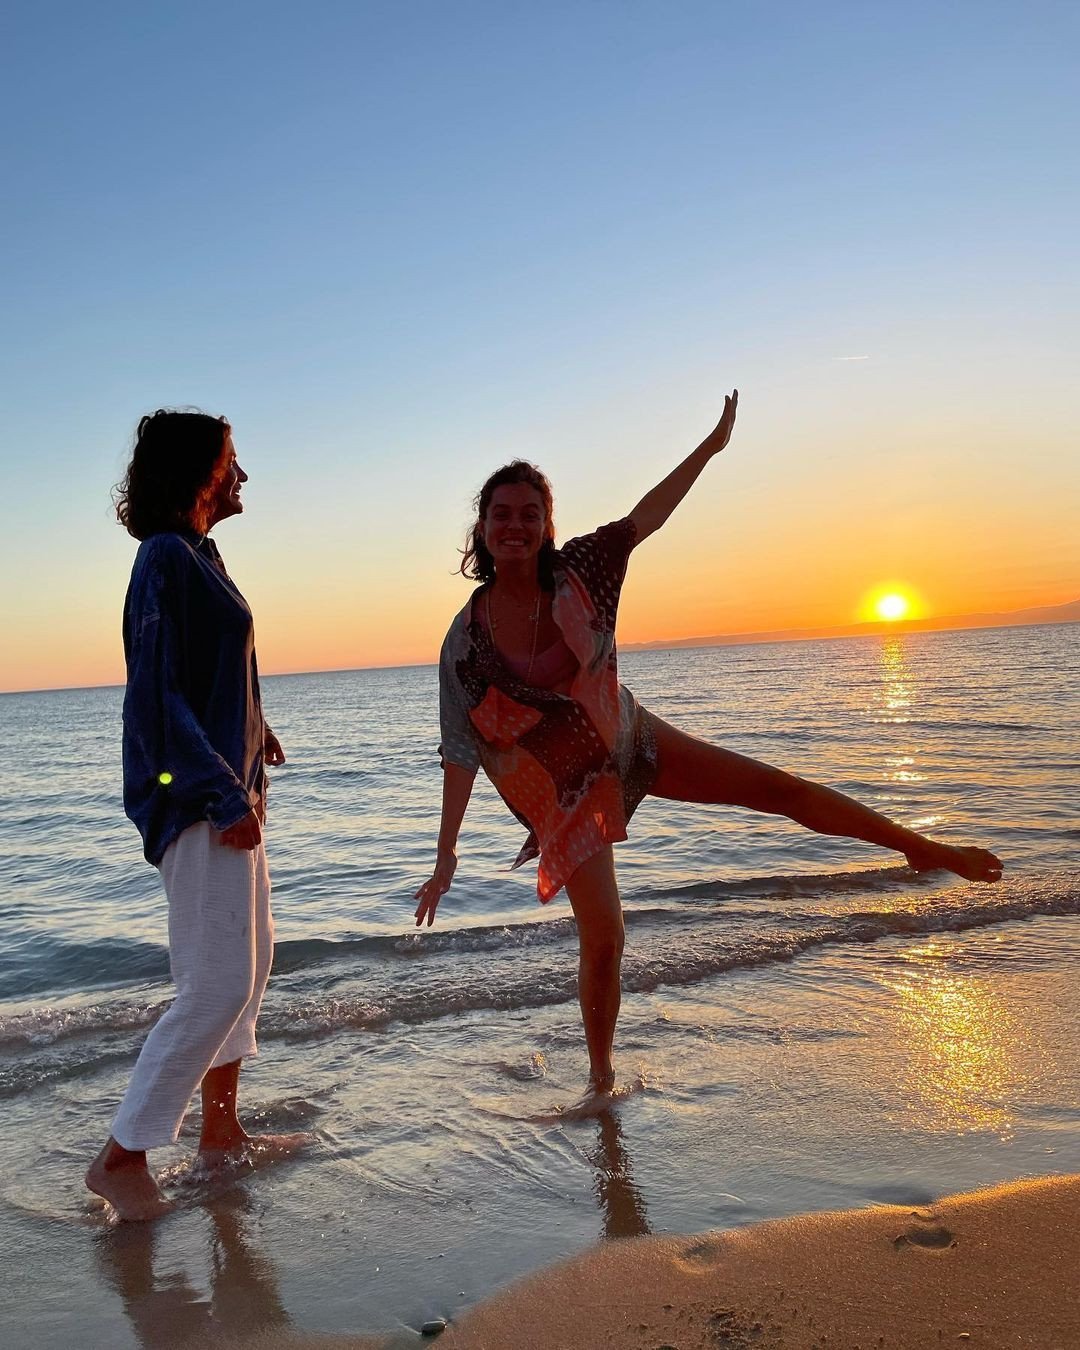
x,y
994,1268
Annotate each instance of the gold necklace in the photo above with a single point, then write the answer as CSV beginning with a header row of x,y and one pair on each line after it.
x,y
493,623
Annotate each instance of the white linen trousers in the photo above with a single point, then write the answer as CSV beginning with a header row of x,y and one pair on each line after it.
x,y
221,946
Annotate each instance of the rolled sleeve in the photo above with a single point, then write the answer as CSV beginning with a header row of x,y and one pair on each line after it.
x,y
600,559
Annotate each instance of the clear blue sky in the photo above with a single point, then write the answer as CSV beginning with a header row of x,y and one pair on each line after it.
x,y
396,243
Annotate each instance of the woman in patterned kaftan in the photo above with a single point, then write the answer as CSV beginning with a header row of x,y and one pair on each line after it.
x,y
529,691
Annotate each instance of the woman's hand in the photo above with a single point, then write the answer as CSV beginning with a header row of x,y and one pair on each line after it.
x,y
272,751
246,833
431,892
656,506
717,438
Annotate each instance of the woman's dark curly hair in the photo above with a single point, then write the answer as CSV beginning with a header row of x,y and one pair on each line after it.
x,y
176,468
477,563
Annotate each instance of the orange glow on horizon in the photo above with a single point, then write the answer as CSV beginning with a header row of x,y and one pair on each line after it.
x,y
679,592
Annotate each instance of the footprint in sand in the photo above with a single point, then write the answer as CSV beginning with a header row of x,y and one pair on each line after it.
x,y
700,1254
926,1232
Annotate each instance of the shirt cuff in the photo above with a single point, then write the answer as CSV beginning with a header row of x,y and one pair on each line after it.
x,y
229,812
468,760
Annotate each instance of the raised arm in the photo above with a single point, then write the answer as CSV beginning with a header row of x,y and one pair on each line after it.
x,y
655,507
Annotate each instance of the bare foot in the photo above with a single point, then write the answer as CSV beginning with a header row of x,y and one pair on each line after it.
x,y
598,1098
249,1148
278,1145
122,1178
973,864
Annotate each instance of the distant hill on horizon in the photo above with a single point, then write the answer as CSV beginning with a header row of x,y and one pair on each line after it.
x,y
1017,618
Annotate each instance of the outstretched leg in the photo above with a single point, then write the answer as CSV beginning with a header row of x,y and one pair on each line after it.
x,y
691,770
594,897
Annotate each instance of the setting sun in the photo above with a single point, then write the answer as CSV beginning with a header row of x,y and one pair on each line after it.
x,y
892,607
891,602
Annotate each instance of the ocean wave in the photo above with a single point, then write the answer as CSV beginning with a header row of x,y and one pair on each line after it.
x,y
673,959
51,964
48,1026
967,719
873,879
533,965
303,953
707,960
44,964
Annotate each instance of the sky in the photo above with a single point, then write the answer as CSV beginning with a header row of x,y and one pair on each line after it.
x,y
398,244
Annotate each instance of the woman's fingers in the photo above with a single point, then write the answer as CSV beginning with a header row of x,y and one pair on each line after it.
x,y
427,908
429,895
722,433
432,891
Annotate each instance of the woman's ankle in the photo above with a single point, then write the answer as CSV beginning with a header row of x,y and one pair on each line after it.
x,y
114,1155
223,1136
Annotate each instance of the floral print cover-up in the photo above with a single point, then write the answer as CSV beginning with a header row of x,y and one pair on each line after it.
x,y
572,767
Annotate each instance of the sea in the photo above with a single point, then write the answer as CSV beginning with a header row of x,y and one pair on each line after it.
x,y
806,1023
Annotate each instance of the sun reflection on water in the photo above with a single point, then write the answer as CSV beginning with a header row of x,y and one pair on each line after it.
x,y
967,1054
895,705
897,682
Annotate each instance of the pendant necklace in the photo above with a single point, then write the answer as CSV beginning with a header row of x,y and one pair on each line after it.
x,y
493,623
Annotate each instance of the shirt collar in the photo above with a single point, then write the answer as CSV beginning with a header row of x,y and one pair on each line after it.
x,y
201,543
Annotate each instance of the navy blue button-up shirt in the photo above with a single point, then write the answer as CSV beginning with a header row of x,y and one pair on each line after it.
x,y
193,723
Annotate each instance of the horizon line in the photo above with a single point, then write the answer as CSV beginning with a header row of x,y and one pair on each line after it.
x,y
699,643
1031,616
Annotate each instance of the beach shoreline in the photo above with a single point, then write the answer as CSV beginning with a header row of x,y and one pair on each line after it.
x,y
993,1268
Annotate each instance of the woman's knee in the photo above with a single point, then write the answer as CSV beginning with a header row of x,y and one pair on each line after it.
x,y
236,988
691,770
218,997
603,946
594,897
787,794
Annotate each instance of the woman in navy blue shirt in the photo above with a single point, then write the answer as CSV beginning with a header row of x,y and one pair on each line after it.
x,y
195,749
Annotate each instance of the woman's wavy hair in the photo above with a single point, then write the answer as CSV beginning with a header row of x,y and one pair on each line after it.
x,y
477,563
177,466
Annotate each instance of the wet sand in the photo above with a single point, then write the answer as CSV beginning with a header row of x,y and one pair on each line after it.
x,y
992,1269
